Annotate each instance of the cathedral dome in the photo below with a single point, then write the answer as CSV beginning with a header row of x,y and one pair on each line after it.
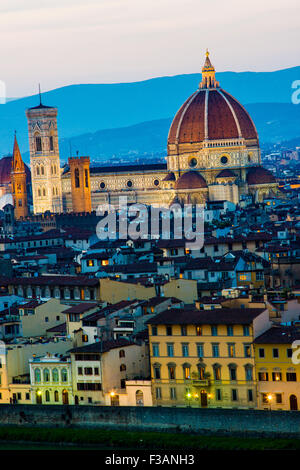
x,y
191,180
259,175
211,113
5,170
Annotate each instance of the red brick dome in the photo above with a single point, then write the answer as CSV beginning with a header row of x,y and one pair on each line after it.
x,y
190,180
211,114
259,175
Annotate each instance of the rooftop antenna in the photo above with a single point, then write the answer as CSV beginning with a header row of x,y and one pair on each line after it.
x,y
40,94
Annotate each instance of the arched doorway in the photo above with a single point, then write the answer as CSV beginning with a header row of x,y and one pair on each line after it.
x,y
293,403
139,398
65,397
114,400
76,400
38,396
203,396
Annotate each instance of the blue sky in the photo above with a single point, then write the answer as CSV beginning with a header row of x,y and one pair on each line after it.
x,y
60,42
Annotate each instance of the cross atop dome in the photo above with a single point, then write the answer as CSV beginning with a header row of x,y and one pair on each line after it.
x,y
208,74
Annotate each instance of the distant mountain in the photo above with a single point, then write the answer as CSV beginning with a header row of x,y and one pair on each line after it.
x,y
275,122
88,109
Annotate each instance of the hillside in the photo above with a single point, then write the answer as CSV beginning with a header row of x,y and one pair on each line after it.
x,y
276,122
88,109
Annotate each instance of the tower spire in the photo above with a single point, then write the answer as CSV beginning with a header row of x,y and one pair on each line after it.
x,y
17,162
18,183
208,74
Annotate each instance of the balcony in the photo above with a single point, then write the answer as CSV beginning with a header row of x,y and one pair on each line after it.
x,y
201,382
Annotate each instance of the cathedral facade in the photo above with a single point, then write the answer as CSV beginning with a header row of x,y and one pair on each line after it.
x,y
213,154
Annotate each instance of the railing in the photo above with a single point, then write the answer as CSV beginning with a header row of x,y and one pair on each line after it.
x,y
201,382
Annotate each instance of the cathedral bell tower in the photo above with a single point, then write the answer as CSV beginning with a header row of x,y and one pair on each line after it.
x,y
80,184
18,182
44,159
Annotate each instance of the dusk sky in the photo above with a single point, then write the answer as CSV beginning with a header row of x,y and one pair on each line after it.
x,y
61,42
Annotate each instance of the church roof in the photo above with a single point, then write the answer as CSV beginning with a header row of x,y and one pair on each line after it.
x,y
259,175
191,180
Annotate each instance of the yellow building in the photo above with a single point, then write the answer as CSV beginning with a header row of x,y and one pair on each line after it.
x,y
277,370
37,316
15,382
205,358
51,380
113,291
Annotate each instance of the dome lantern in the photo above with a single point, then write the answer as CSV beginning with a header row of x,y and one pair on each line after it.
x,y
208,74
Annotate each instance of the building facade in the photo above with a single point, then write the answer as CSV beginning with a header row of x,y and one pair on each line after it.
x,y
51,380
277,368
205,358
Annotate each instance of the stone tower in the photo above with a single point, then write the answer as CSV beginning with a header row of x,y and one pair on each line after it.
x,y
44,159
80,184
18,182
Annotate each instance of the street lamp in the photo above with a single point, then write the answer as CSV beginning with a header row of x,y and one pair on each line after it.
x,y
189,396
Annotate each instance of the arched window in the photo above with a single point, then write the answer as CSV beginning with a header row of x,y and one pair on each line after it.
x,y
171,369
37,375
47,395
51,143
86,178
77,182
39,192
29,292
42,170
201,371
38,171
38,143
56,396
156,371
139,398
51,170
55,377
122,367
249,371
122,353
232,371
217,371
46,375
186,371
64,375
44,192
